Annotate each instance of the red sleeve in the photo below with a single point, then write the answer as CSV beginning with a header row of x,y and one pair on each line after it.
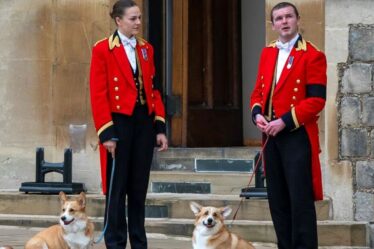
x,y
159,107
307,109
100,104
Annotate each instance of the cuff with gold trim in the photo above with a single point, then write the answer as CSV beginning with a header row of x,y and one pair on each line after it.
x,y
160,126
106,132
160,119
256,109
290,120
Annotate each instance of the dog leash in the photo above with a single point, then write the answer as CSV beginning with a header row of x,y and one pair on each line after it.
x,y
107,210
260,159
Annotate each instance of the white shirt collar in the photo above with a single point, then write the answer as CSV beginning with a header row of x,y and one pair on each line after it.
x,y
126,40
288,45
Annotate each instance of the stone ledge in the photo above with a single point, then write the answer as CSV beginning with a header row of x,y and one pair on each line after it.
x,y
177,205
331,233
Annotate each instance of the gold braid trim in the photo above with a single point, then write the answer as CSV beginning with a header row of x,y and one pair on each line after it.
x,y
110,123
256,104
141,41
99,41
160,119
140,78
293,112
272,44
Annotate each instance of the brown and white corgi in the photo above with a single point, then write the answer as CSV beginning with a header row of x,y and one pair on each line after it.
x,y
210,231
75,231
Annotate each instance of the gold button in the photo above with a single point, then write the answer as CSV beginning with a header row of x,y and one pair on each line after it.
x,y
118,107
153,105
298,81
263,85
135,79
295,89
152,86
115,79
262,77
153,95
117,97
116,88
294,97
292,105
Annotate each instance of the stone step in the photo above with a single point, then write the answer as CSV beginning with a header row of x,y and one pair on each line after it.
x,y
330,233
157,205
250,209
17,237
183,159
198,183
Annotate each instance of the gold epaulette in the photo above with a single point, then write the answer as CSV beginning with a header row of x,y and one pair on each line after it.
x,y
141,41
314,46
99,41
272,44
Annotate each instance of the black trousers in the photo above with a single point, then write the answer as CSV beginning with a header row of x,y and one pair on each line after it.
x,y
134,154
289,183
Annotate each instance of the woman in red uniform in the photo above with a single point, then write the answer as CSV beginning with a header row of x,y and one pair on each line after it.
x,y
129,117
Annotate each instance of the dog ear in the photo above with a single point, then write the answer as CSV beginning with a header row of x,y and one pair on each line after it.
x,y
195,207
82,199
62,196
226,211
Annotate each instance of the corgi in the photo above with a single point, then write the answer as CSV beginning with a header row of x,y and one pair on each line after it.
x,y
74,230
210,231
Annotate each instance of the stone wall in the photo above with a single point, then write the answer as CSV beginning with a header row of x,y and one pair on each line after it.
x,y
356,117
44,90
338,175
44,68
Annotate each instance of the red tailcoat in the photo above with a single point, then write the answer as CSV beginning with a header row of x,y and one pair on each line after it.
x,y
113,88
298,96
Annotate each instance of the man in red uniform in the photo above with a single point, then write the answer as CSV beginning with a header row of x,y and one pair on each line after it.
x,y
129,117
290,92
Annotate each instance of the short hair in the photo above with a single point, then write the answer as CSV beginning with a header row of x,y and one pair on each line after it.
x,y
119,8
281,6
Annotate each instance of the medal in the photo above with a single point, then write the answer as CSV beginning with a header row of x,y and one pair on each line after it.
x,y
144,53
290,61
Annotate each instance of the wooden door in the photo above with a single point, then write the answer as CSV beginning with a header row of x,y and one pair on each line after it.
x,y
214,106
178,121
